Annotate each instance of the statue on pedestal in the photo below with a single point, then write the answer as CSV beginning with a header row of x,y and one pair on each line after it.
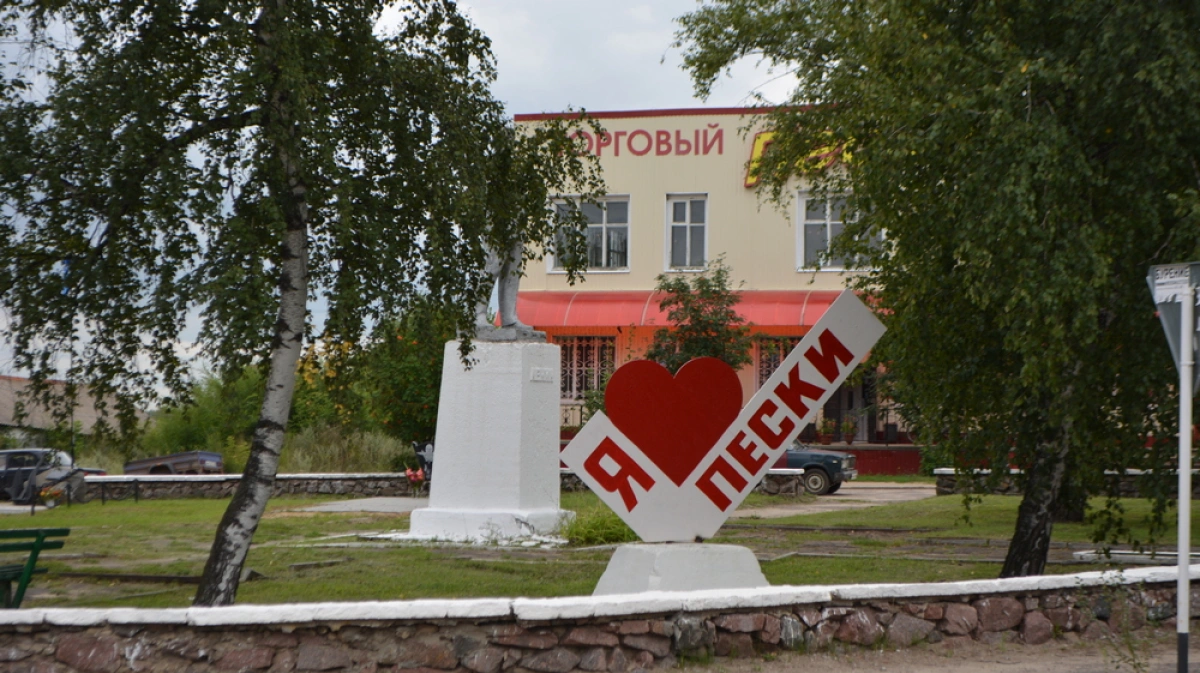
x,y
506,270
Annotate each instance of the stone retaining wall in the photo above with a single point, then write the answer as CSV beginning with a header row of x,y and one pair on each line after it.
x,y
562,635
154,487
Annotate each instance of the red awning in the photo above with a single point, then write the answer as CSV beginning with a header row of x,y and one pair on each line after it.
x,y
619,309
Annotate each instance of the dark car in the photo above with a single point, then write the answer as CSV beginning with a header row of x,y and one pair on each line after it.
x,y
824,470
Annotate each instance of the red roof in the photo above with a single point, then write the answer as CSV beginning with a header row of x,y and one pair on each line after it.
x,y
618,309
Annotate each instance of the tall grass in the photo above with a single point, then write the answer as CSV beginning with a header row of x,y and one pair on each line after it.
x,y
332,448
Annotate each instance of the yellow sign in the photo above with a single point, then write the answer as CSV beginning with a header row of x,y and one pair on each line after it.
x,y
821,158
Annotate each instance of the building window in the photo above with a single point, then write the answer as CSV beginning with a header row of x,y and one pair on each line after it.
x,y
687,217
771,352
607,233
587,362
822,222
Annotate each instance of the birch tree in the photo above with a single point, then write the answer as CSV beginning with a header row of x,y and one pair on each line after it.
x,y
1024,164
231,161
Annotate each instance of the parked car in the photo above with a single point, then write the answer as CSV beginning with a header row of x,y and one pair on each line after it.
x,y
824,471
188,462
42,467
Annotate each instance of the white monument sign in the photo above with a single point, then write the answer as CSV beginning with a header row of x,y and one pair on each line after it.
x,y
676,455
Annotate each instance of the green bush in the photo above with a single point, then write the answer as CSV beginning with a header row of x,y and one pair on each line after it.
x,y
597,526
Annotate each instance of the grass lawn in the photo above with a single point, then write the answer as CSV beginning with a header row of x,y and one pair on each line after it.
x,y
171,537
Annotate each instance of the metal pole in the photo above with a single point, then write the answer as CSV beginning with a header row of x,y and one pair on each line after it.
x,y
1183,592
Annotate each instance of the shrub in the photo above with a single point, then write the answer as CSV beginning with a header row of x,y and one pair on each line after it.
x,y
596,526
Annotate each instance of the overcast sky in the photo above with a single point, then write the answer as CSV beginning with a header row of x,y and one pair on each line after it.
x,y
611,55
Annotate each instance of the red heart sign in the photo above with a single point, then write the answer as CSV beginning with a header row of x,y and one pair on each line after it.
x,y
676,420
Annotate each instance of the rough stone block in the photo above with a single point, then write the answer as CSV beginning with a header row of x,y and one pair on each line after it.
x,y
595,659
311,657
541,640
557,660
88,653
905,630
246,659
1066,619
791,632
691,634
1036,628
660,646
427,651
770,630
633,626
740,623
990,637
959,619
736,645
809,615
820,636
484,660
14,654
590,635
1127,617
618,662
1096,631
860,627
999,614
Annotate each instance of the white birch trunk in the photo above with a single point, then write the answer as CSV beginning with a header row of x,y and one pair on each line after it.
x,y
222,572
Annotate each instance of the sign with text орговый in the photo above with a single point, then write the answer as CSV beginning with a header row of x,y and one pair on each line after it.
x,y
677,454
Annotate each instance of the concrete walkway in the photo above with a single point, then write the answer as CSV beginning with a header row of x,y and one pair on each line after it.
x,y
852,495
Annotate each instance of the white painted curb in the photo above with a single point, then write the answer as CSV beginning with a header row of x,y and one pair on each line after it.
x,y
576,607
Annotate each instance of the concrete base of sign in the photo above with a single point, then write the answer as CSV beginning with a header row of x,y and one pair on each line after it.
x,y
636,568
485,525
495,467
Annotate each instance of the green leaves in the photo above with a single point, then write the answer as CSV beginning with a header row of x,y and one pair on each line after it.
x,y
705,323
146,182
1027,163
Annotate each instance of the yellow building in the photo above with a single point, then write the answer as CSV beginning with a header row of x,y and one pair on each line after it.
x,y
679,196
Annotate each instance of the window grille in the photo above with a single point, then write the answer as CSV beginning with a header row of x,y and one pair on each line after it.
x,y
586,363
771,352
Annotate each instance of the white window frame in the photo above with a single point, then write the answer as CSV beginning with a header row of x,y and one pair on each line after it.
x,y
668,213
552,266
802,223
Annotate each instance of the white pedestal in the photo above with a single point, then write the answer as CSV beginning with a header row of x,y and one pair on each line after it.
x,y
636,568
495,468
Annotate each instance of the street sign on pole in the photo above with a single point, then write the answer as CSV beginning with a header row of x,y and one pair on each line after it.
x,y
1174,290
1168,284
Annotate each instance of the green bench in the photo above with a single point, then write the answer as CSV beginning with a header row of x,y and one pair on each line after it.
x,y
30,541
